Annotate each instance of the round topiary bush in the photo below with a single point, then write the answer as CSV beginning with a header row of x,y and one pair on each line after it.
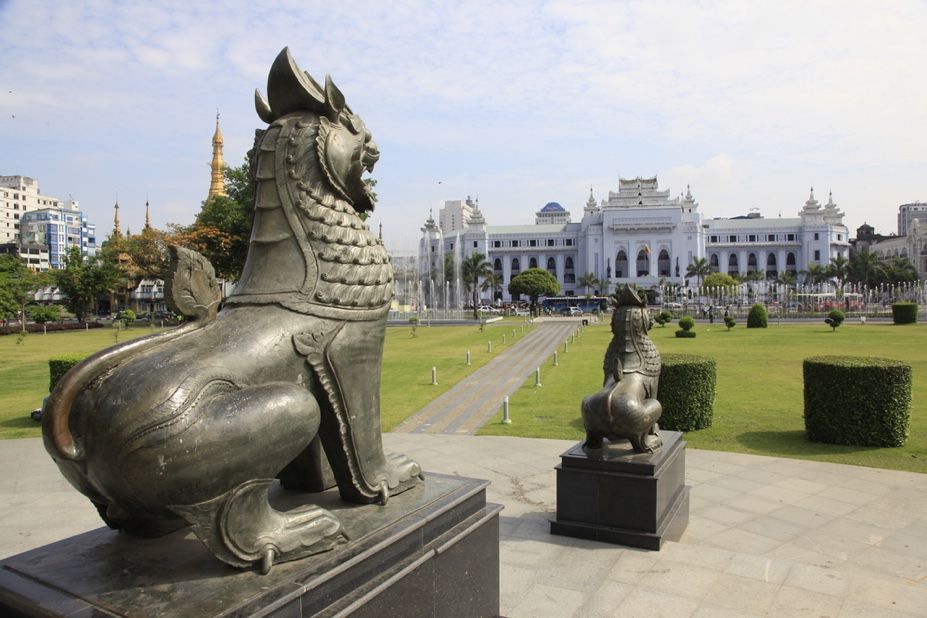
x,y
687,391
835,318
686,324
58,366
663,318
904,313
758,317
729,322
855,400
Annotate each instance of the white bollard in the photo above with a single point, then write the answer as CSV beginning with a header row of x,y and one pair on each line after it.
x,y
489,346
505,411
556,364
503,338
537,377
468,358
434,376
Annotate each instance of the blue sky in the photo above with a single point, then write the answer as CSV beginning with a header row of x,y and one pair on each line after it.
x,y
516,103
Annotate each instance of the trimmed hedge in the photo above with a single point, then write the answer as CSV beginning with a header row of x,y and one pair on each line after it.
x,y
904,313
857,400
758,317
14,329
687,391
58,366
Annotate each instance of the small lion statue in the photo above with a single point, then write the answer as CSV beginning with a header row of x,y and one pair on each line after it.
x,y
192,426
627,405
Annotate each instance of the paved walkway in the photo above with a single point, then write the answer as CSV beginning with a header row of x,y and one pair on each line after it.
x,y
766,537
472,402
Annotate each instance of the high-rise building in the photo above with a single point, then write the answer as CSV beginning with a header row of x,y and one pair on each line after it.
x,y
18,195
908,213
58,228
455,215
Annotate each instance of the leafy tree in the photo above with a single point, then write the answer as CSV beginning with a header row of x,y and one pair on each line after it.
x,y
730,322
835,318
534,282
222,228
449,264
698,269
82,280
43,314
589,280
720,280
17,286
472,269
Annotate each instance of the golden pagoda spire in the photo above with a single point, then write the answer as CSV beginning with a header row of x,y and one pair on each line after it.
x,y
117,226
147,216
217,182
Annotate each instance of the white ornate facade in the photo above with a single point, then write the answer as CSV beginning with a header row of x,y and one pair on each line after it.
x,y
639,234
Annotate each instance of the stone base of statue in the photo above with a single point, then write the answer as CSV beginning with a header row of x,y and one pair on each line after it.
x,y
432,551
618,496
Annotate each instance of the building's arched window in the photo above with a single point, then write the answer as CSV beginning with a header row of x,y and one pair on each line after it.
x,y
771,270
790,262
552,266
732,268
643,263
497,269
621,265
663,263
533,263
713,263
516,267
569,274
751,263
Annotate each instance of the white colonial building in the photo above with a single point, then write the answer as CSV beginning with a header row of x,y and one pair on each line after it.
x,y
638,234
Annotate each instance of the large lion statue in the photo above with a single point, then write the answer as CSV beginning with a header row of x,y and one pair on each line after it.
x,y
192,426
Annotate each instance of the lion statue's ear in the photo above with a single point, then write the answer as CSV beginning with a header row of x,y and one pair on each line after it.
x,y
290,89
334,99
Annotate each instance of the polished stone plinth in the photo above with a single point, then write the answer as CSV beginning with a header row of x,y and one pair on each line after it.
x,y
433,551
618,496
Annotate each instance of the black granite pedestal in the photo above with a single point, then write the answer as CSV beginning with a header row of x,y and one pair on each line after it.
x,y
433,551
618,496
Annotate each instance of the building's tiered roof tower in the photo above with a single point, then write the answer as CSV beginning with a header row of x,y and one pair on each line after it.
x,y
217,182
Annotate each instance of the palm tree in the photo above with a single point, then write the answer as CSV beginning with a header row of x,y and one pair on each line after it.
x,y
900,269
866,268
472,269
839,269
698,269
815,273
589,280
492,283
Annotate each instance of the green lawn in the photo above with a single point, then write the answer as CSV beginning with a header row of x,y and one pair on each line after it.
x,y
406,366
758,405
758,408
24,370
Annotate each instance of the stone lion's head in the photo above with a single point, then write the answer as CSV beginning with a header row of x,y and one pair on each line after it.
x,y
345,148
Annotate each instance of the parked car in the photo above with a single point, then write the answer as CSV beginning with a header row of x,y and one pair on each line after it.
x,y
488,309
571,311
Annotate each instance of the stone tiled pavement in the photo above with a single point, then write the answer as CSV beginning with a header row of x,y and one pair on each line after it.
x,y
767,536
